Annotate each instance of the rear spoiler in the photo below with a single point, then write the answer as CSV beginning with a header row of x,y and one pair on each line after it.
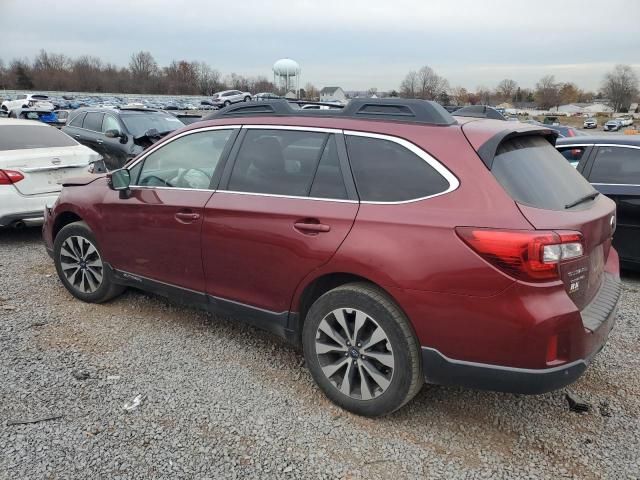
x,y
487,151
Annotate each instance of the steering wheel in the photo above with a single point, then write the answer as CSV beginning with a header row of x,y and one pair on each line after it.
x,y
201,173
161,182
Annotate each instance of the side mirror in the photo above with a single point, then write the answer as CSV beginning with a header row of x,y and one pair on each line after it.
x,y
112,133
119,180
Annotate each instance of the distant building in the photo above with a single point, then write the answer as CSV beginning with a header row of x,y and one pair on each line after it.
x,y
328,94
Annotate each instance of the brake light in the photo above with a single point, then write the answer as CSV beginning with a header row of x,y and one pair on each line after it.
x,y
528,255
7,177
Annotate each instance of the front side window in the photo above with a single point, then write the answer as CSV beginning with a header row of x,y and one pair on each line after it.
x,y
110,123
385,171
93,121
278,162
617,165
187,162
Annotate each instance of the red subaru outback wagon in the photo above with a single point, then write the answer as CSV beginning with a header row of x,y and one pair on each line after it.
x,y
395,243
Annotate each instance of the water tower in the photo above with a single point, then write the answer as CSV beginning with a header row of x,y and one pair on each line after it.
x,y
286,76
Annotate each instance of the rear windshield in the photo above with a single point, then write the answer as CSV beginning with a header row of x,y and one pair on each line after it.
x,y
138,124
21,137
534,173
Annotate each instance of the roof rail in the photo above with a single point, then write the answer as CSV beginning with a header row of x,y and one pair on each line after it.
x,y
479,111
398,109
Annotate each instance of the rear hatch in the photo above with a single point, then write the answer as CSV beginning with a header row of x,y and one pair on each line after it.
x,y
553,196
43,155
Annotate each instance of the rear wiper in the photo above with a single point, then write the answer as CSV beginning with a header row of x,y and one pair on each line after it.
x,y
591,196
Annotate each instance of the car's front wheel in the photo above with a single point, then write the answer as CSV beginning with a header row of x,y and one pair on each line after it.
x,y
361,350
80,265
226,104
247,99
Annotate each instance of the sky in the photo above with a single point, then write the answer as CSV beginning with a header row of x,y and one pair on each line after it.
x,y
355,44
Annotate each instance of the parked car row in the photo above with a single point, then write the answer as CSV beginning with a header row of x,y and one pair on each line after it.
x,y
395,243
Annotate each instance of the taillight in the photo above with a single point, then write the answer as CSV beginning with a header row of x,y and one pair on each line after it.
x,y
528,255
7,177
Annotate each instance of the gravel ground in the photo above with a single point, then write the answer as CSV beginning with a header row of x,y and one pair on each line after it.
x,y
227,401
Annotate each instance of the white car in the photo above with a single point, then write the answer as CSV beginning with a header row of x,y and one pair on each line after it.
x,y
227,97
27,101
625,121
34,157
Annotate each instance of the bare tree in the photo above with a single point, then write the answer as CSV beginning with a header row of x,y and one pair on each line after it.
x,y
144,72
460,95
547,92
569,93
372,91
620,86
408,87
483,94
311,91
208,79
506,89
430,85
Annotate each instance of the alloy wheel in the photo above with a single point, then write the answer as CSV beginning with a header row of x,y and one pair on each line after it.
x,y
355,353
81,264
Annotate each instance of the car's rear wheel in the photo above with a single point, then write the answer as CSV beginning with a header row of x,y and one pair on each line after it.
x,y
80,265
247,99
361,350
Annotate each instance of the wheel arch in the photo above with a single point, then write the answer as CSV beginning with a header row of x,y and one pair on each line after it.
x,y
314,288
62,220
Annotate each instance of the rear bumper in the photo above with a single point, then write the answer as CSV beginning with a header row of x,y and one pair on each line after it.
x,y
598,319
15,206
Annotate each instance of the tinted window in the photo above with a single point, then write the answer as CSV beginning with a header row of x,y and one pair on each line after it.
x,y
93,121
110,123
20,137
616,165
139,124
77,120
385,171
329,182
572,154
279,162
187,162
532,171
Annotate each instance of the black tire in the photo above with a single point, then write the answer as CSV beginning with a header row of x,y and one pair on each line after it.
x,y
247,99
407,378
226,103
106,289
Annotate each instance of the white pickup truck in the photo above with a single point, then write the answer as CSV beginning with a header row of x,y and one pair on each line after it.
x,y
27,101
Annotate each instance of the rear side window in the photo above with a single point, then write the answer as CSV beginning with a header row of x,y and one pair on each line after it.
x,y
616,165
93,121
279,162
572,154
77,120
532,171
385,171
22,137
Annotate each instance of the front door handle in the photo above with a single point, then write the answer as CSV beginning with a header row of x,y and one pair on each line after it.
x,y
99,142
187,217
311,227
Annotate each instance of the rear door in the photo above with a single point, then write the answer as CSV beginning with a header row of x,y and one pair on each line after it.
x,y
43,154
615,172
548,190
286,207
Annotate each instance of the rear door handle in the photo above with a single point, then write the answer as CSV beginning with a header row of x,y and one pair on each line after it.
x,y
311,227
99,141
187,217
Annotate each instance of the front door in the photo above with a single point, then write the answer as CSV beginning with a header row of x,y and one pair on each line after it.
x,y
155,231
284,212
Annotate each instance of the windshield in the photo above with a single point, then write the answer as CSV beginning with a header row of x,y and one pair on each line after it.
x,y
138,124
534,173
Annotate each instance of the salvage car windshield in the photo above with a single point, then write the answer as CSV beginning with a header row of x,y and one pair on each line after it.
x,y
138,125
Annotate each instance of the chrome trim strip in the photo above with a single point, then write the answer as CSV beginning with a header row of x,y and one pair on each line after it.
x,y
616,184
292,127
287,196
453,181
145,187
155,147
569,145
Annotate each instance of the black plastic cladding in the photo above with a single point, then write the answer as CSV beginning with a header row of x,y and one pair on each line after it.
x,y
403,110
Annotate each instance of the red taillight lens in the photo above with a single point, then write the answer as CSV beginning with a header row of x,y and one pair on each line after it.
x,y
528,255
7,177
